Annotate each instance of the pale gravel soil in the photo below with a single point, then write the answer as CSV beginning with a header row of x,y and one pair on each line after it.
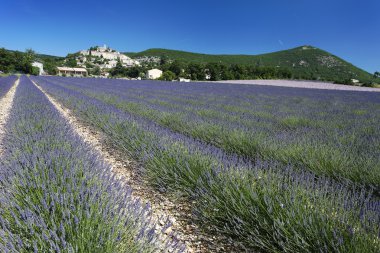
x,y
6,104
178,213
302,84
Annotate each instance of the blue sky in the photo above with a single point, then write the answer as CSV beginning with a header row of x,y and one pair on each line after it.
x,y
347,28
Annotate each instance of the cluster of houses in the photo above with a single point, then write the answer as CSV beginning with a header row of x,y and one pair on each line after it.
x,y
81,72
105,58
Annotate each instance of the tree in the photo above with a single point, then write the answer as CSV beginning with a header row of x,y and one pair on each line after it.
x,y
89,65
376,74
50,66
133,72
214,70
71,63
7,61
30,55
96,71
119,70
177,67
239,71
35,71
19,62
167,76
227,75
164,59
196,71
24,61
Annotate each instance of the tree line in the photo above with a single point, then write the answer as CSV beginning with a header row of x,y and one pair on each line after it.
x,y
197,71
17,62
21,62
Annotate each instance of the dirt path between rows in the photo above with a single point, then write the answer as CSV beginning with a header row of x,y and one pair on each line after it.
x,y
179,214
6,104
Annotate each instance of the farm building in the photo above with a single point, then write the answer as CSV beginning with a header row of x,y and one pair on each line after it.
x,y
72,71
153,74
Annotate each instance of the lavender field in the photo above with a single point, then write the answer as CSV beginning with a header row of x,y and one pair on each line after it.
x,y
274,169
57,195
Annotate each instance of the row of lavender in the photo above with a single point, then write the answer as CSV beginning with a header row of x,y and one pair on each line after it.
x,y
6,83
334,134
57,195
263,204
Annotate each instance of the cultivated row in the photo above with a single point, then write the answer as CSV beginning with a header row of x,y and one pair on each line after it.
x,y
334,134
263,203
57,195
6,83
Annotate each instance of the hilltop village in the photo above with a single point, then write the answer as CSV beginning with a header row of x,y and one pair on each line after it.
x,y
105,58
99,60
103,61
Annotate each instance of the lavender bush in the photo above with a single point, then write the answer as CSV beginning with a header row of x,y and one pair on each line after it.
x,y
333,134
57,196
6,83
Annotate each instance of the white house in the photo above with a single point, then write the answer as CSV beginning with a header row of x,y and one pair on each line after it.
x,y
40,66
153,74
111,64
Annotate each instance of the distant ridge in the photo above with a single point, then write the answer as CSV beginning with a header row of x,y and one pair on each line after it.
x,y
38,55
305,62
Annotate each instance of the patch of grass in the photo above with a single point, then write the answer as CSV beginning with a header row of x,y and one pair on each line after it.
x,y
293,122
360,112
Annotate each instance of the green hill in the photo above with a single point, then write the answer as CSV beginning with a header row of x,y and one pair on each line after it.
x,y
39,57
305,62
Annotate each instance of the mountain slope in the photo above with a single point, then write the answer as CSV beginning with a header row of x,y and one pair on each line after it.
x,y
304,62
